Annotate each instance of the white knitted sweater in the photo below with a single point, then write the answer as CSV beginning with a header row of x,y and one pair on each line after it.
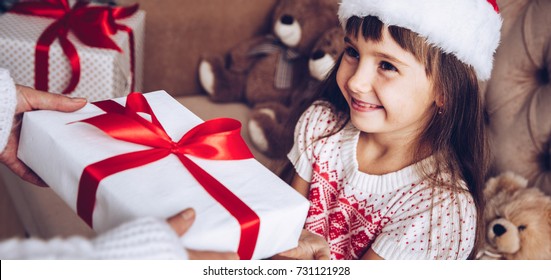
x,y
145,238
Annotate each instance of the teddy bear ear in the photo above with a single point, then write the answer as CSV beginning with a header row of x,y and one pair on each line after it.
x,y
507,182
491,187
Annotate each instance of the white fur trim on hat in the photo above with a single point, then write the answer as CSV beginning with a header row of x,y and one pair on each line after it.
x,y
470,29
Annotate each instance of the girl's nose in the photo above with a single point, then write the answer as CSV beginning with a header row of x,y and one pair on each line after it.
x,y
361,80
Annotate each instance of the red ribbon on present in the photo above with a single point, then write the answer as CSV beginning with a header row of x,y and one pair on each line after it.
x,y
92,25
217,139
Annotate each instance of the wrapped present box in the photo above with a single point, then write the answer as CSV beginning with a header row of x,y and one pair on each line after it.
x,y
59,146
104,73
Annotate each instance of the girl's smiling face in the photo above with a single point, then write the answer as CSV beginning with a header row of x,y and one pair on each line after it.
x,y
385,86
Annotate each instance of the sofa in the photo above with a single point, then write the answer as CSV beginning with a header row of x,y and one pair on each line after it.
x,y
178,32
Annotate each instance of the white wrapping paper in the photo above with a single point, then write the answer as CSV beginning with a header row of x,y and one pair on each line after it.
x,y
58,150
105,74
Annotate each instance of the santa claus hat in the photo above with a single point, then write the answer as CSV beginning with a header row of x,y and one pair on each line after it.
x,y
470,29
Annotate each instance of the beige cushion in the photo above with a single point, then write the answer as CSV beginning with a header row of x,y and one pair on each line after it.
x,y
518,97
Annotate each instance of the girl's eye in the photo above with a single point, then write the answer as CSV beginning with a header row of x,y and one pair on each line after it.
x,y
388,67
351,52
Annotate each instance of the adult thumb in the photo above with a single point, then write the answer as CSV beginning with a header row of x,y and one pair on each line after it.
x,y
182,221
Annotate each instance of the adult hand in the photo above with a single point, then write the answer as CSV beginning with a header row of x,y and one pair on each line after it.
x,y
181,223
29,99
310,247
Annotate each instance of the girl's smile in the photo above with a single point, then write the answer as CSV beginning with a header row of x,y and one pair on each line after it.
x,y
361,106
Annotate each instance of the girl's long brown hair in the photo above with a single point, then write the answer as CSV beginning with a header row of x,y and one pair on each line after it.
x,y
455,134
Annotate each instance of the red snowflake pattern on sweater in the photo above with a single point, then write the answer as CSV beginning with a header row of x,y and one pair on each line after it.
x,y
351,224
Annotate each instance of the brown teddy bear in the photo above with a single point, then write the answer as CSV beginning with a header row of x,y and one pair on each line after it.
x,y
517,220
268,68
271,125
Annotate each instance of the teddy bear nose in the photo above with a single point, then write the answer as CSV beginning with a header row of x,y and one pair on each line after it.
x,y
499,229
318,54
287,19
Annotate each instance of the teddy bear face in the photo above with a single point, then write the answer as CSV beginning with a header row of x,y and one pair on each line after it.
x,y
326,52
298,23
517,219
517,223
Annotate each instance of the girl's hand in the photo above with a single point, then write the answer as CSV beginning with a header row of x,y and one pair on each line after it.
x,y
310,247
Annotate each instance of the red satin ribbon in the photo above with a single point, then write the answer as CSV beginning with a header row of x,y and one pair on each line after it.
x,y
217,139
92,25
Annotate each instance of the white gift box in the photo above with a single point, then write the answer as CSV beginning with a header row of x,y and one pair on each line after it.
x,y
105,73
58,148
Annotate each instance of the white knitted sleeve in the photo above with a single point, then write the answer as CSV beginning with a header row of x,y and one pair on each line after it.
x,y
145,238
8,101
317,122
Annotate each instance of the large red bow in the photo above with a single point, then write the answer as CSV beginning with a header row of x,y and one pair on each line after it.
x,y
92,25
217,139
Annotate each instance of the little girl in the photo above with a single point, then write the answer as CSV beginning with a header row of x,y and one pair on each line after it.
x,y
392,153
